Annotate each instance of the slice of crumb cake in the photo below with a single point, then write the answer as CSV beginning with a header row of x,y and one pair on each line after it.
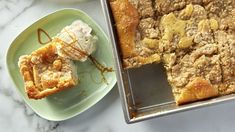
x,y
45,73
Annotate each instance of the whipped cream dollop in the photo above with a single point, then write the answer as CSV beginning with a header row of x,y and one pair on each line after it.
x,y
76,41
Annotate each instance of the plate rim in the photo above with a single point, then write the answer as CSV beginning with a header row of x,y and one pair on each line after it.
x,y
112,84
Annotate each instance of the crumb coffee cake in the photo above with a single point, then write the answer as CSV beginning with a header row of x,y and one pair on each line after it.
x,y
45,73
195,40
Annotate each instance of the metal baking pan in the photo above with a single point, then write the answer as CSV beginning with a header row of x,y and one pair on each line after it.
x,y
145,92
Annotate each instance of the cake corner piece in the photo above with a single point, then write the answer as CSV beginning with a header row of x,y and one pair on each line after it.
x,y
198,89
134,53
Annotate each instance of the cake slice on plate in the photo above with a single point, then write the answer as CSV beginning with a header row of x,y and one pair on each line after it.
x,y
46,73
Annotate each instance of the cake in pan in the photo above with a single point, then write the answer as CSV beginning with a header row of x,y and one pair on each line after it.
x,y
137,31
194,39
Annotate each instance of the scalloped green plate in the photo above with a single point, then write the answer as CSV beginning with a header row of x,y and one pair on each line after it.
x,y
74,101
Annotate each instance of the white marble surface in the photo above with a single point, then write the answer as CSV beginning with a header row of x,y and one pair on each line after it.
x,y
106,116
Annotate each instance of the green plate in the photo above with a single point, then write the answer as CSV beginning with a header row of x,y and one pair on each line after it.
x,y
71,102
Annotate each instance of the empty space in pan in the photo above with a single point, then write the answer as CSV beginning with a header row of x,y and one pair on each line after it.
x,y
149,86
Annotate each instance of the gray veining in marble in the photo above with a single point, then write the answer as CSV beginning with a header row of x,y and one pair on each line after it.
x,y
11,9
105,116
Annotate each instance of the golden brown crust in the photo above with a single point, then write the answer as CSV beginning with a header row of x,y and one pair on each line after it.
x,y
32,80
127,20
34,93
141,60
198,89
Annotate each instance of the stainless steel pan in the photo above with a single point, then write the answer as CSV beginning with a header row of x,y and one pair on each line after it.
x,y
145,92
